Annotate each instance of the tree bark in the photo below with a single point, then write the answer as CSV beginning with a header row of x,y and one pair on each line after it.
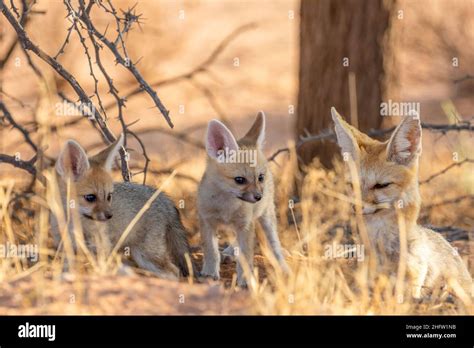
x,y
334,32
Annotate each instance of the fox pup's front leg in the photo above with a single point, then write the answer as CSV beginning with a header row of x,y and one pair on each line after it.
x,y
210,245
417,269
246,239
269,223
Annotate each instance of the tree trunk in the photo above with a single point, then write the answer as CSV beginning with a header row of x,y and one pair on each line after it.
x,y
339,37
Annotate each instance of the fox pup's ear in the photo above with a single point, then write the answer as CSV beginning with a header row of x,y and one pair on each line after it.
x,y
219,138
256,133
345,137
72,161
106,157
404,146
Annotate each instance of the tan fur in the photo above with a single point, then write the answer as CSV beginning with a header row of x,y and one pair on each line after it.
x,y
158,241
219,203
431,260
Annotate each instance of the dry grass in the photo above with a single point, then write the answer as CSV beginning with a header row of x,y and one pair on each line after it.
x,y
317,285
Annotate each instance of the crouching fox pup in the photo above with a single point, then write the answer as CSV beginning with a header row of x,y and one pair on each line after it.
x,y
236,189
158,241
388,174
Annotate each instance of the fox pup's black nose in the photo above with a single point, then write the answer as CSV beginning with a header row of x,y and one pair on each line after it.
x,y
108,216
257,196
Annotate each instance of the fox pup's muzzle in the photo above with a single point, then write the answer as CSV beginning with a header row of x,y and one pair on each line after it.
x,y
99,216
251,197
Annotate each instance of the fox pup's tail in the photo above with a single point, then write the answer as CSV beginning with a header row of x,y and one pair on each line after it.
x,y
177,240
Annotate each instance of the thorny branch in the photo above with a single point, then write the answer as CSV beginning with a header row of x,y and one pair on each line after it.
x,y
29,165
81,21
90,36
124,61
329,134
27,44
23,18
188,76
203,66
9,118
455,164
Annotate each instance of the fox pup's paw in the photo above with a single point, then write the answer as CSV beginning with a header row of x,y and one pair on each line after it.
x,y
207,273
284,268
228,255
210,276
242,283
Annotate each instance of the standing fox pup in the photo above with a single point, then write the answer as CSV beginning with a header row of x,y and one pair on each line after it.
x,y
236,189
388,175
157,242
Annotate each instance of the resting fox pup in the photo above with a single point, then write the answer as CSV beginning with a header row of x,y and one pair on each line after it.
x,y
236,189
388,175
157,243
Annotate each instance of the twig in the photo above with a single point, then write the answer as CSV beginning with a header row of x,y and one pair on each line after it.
x,y
65,43
456,164
452,233
14,124
23,19
449,201
16,100
27,44
144,153
168,171
203,66
84,17
328,134
18,163
182,135
462,79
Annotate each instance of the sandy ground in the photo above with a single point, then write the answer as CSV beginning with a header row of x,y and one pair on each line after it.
x,y
119,295
127,294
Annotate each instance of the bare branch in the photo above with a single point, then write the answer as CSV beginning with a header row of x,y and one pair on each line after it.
x,y
456,164
27,44
453,233
126,62
14,124
449,201
18,163
144,153
202,67
464,78
328,134
23,19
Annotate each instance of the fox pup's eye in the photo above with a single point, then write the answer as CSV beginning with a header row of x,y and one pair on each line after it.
x,y
240,180
261,177
90,198
381,186
109,197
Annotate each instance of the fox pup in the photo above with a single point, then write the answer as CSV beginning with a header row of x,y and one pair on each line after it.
x,y
388,175
158,241
236,189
